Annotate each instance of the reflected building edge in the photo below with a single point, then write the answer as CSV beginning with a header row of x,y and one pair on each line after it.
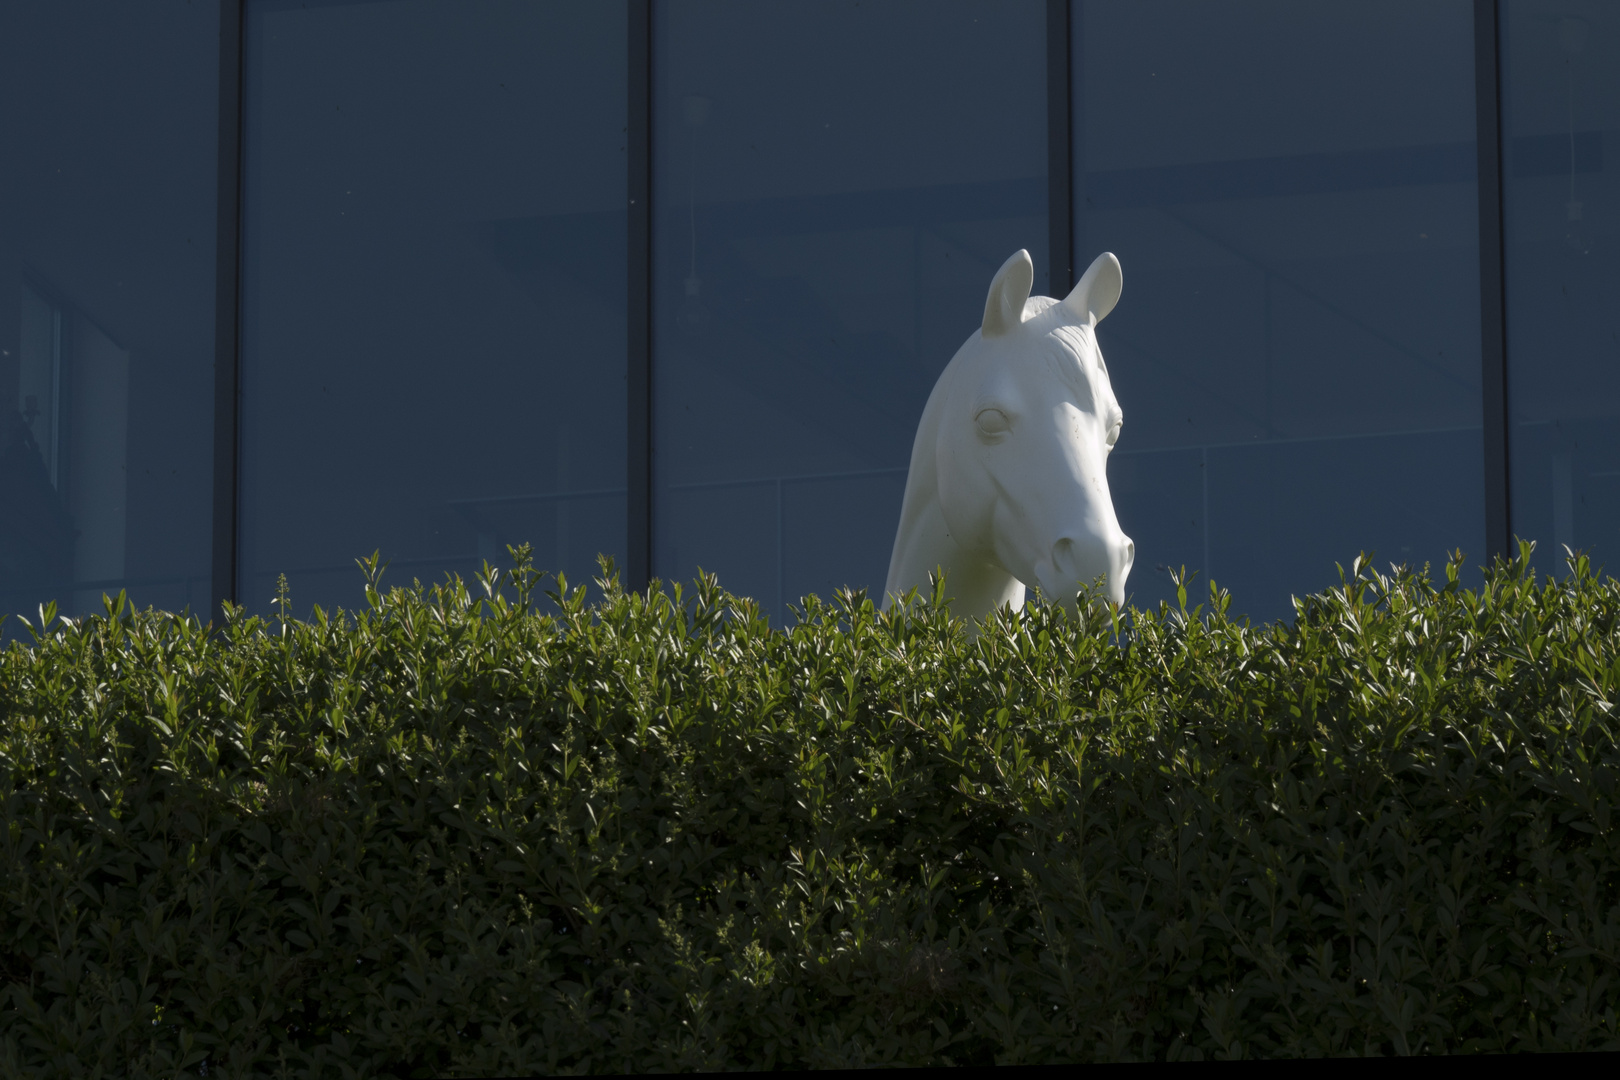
x,y
106,305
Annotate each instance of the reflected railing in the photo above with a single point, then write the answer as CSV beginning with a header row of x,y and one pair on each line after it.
x,y
82,593
488,544
80,598
780,484
491,542
1203,451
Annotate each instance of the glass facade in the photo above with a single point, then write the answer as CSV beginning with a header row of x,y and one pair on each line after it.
x,y
433,339
108,115
1561,120
835,185
1297,346
450,312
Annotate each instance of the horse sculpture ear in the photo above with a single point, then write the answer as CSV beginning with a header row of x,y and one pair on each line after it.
x,y
1004,307
1098,291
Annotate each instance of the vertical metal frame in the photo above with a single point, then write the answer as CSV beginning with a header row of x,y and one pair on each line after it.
x,y
638,368
1492,276
227,307
1059,150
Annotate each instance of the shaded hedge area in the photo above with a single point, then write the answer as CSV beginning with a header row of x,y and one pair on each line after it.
x,y
445,835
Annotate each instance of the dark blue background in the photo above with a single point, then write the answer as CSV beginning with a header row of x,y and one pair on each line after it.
x,y
434,282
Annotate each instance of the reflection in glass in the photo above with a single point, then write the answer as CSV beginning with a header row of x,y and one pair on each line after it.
x,y
1297,346
434,290
107,304
835,186
1561,115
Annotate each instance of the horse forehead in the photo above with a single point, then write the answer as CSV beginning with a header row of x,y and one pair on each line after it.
x,y
1060,358
1067,357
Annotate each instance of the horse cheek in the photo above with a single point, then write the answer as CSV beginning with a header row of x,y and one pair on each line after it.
x,y
965,499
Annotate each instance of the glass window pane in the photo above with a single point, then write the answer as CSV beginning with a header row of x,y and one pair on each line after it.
x,y
434,290
1561,120
110,127
1291,190
835,186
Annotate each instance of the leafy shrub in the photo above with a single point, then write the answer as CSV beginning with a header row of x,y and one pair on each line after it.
x,y
447,836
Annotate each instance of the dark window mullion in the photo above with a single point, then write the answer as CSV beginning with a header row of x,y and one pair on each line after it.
x,y
638,152
1059,158
1492,276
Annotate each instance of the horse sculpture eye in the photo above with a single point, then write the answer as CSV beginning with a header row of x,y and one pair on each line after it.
x,y
992,422
1113,433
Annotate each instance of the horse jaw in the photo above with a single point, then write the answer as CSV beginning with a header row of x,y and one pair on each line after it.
x,y
924,544
976,587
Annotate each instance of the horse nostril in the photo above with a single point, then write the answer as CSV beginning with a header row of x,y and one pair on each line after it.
x,y
1130,553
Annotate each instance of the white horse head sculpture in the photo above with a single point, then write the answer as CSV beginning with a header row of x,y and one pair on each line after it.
x,y
1008,485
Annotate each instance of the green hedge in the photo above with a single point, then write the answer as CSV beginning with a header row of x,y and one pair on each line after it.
x,y
446,836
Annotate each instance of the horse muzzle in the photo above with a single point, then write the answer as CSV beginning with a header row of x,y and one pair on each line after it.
x,y
1076,562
